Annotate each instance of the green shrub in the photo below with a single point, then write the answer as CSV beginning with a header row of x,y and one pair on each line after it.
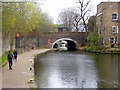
x,y
3,58
85,48
89,49
94,41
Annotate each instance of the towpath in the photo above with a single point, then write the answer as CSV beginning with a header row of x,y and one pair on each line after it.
x,y
19,76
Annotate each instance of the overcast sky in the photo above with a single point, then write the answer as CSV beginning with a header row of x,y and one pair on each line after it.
x,y
53,7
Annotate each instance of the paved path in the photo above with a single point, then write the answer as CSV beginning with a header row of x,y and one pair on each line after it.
x,y
19,76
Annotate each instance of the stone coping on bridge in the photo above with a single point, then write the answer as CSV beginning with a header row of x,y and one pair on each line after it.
x,y
22,75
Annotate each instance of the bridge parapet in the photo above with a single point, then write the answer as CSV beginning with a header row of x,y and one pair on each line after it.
x,y
47,39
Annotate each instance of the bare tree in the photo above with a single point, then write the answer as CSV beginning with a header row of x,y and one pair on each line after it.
x,y
66,18
76,21
83,7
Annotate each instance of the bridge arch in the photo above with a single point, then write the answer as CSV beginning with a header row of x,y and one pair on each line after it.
x,y
72,44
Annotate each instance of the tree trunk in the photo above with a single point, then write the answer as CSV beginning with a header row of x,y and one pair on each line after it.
x,y
11,40
24,45
25,42
11,48
36,40
85,27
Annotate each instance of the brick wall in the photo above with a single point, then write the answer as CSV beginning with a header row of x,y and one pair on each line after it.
x,y
105,22
42,41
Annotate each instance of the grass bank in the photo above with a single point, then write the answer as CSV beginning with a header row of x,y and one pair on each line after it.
x,y
3,59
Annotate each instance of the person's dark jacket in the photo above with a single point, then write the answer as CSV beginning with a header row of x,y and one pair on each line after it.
x,y
9,59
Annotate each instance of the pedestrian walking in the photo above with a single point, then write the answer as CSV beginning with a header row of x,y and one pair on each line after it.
x,y
9,59
15,55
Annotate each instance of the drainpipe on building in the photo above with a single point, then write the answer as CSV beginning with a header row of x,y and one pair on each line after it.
x,y
119,24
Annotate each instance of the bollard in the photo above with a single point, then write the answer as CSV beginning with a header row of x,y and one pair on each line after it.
x,y
31,81
31,68
31,61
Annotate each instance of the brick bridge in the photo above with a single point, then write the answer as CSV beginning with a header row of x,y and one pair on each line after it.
x,y
49,39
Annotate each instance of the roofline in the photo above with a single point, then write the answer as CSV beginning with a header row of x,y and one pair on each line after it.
x,y
108,2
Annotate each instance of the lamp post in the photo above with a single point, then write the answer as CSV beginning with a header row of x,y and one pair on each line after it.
x,y
17,36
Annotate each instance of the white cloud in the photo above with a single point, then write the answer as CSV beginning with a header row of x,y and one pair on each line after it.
x,y
53,7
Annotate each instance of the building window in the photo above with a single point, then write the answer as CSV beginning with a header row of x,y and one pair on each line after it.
x,y
113,29
111,40
114,17
111,6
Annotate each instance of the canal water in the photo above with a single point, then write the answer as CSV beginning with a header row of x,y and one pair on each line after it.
x,y
76,70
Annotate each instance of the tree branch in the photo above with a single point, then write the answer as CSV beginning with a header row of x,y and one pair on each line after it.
x,y
85,6
86,12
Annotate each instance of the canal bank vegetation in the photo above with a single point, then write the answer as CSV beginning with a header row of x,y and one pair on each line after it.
x,y
3,58
93,42
95,45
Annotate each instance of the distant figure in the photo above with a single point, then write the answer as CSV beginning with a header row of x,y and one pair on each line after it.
x,y
15,55
32,48
9,59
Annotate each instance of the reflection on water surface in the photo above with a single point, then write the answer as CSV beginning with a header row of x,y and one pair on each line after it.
x,y
76,70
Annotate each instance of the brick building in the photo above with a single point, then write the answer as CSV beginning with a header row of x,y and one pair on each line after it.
x,y
108,17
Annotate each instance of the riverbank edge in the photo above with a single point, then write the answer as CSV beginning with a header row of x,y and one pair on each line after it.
x,y
31,83
101,51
